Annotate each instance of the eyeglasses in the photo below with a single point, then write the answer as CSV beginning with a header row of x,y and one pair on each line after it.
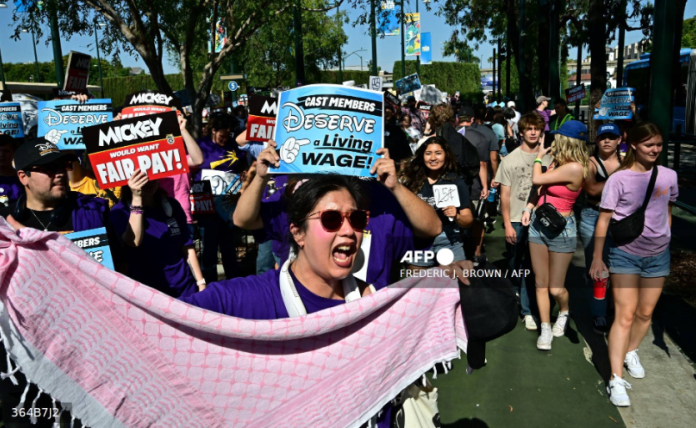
x,y
52,168
332,220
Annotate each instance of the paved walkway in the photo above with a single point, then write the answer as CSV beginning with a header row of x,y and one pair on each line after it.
x,y
565,387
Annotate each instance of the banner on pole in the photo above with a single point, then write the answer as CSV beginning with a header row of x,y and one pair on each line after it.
x,y
148,102
576,93
220,40
11,122
426,49
262,118
413,40
77,75
329,129
408,84
376,83
94,242
62,121
389,19
616,104
152,144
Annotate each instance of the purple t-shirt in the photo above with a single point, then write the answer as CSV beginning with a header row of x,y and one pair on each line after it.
x,y
259,298
10,189
235,159
391,235
624,193
546,115
159,260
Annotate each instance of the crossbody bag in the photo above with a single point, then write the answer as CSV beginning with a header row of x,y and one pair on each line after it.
x,y
549,216
629,228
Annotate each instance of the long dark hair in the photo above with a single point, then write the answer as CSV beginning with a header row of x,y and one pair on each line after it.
x,y
302,202
416,173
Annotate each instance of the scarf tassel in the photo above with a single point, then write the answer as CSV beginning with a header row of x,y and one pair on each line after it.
x,y
33,418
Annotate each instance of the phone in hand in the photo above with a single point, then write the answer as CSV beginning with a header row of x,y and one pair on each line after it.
x,y
548,140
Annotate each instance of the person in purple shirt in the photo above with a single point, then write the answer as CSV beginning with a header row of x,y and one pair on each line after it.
x,y
153,229
220,153
10,186
327,217
542,104
400,221
638,268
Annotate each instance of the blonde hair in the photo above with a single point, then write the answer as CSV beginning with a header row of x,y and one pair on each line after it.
x,y
566,150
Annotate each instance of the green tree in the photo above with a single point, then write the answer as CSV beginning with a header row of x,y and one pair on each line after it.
x,y
688,38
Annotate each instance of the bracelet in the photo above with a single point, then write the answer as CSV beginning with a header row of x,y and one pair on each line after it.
x,y
538,160
527,210
201,282
134,209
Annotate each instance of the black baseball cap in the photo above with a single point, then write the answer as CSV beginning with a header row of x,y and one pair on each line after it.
x,y
39,152
467,111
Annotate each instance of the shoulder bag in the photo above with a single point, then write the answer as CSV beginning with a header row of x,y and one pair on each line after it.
x,y
629,228
549,216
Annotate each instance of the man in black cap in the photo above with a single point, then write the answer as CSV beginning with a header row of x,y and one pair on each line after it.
x,y
48,203
417,117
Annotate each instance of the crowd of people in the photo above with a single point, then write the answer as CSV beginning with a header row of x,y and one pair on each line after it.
x,y
331,239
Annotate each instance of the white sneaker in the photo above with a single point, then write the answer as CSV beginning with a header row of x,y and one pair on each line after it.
x,y
617,392
544,341
529,322
559,327
633,366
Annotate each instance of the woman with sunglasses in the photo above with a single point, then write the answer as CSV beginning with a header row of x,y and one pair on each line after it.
x,y
604,162
156,238
400,221
431,174
639,268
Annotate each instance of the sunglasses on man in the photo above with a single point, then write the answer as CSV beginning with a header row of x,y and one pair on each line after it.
x,y
51,168
332,220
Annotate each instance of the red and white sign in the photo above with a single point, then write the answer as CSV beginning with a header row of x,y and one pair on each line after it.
x,y
202,201
262,118
152,144
576,93
147,102
78,72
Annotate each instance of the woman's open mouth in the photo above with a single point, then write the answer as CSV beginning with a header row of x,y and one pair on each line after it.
x,y
343,255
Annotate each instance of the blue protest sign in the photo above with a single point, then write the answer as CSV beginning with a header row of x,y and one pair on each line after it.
x,y
426,49
408,84
61,121
11,120
94,242
324,129
616,104
232,86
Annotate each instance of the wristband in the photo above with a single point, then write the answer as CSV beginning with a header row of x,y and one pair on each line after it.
x,y
527,210
134,209
538,160
201,282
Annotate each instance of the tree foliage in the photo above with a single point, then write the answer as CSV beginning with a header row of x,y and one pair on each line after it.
x,y
447,77
26,72
688,38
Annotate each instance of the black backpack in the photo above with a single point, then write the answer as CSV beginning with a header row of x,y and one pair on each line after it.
x,y
464,151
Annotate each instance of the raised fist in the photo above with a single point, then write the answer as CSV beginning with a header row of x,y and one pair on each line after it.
x,y
291,148
54,135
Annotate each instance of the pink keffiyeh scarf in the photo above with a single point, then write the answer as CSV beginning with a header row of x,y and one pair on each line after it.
x,y
126,355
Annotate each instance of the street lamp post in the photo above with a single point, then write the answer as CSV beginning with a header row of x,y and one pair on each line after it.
x,y
356,54
96,38
36,57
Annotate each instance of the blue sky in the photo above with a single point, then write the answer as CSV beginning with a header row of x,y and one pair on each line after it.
x,y
388,48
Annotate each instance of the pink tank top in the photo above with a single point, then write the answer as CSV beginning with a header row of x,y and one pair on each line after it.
x,y
560,197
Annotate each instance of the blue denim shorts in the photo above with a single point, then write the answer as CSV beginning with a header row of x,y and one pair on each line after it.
x,y
440,242
621,262
563,242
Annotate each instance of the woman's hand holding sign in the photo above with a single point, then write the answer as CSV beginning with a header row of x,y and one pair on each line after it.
x,y
267,158
450,211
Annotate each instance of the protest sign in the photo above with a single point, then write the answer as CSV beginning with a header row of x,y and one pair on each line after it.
x,y
78,72
94,242
389,18
576,93
430,94
426,49
376,83
413,41
329,129
148,102
227,202
262,118
408,84
11,120
392,99
62,121
201,198
219,180
152,144
425,108
616,104
446,195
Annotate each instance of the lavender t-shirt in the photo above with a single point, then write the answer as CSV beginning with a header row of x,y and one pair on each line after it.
x,y
10,189
624,193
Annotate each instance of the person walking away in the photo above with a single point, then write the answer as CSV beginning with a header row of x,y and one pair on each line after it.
x,y
434,166
638,267
552,250
514,120
514,181
604,162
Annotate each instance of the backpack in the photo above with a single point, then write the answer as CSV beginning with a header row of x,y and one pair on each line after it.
x,y
464,151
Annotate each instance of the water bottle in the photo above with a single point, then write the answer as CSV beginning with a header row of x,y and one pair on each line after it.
x,y
491,195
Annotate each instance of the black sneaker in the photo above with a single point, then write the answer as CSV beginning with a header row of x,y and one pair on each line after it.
x,y
599,325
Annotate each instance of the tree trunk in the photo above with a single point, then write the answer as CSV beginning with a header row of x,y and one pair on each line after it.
x,y
676,66
598,66
543,48
526,101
